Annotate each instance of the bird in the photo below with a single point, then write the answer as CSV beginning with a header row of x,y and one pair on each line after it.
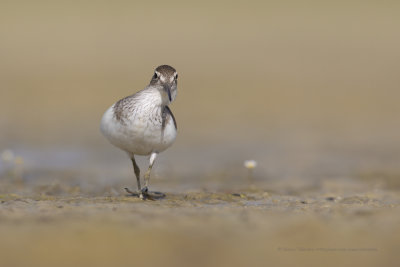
x,y
142,124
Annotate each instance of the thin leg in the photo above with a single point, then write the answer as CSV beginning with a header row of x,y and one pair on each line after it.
x,y
137,174
147,174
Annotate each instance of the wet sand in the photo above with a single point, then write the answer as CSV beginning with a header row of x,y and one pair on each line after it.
x,y
333,222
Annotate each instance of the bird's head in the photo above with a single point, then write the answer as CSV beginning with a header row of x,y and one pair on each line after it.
x,y
166,78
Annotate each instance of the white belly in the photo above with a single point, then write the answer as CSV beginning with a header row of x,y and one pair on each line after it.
x,y
138,135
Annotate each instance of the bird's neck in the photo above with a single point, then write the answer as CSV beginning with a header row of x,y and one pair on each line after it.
x,y
156,97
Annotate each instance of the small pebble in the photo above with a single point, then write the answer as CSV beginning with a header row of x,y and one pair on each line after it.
x,y
250,164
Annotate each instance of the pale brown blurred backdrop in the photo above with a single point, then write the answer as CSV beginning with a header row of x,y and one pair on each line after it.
x,y
247,69
303,88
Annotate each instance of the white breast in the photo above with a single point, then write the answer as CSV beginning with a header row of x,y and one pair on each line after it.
x,y
141,132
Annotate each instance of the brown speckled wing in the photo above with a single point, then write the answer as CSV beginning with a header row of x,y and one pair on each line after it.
x,y
124,107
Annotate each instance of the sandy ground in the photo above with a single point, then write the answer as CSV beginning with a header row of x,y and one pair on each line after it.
x,y
332,222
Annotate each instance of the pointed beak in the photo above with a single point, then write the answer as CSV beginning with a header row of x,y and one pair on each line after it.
x,y
167,89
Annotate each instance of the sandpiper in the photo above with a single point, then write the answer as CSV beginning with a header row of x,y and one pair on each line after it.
x,y
142,123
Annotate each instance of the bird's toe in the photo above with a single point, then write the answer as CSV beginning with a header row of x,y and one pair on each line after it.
x,y
145,190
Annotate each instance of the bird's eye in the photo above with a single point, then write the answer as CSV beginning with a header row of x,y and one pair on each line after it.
x,y
155,75
176,76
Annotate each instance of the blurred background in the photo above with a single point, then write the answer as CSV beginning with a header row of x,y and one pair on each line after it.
x,y
254,76
308,89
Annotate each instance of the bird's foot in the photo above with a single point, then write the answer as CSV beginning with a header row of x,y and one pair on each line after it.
x,y
144,193
130,192
145,189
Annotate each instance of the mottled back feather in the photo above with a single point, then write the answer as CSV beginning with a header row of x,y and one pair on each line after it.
x,y
124,107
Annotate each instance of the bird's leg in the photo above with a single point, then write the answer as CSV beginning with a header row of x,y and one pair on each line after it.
x,y
147,174
137,174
